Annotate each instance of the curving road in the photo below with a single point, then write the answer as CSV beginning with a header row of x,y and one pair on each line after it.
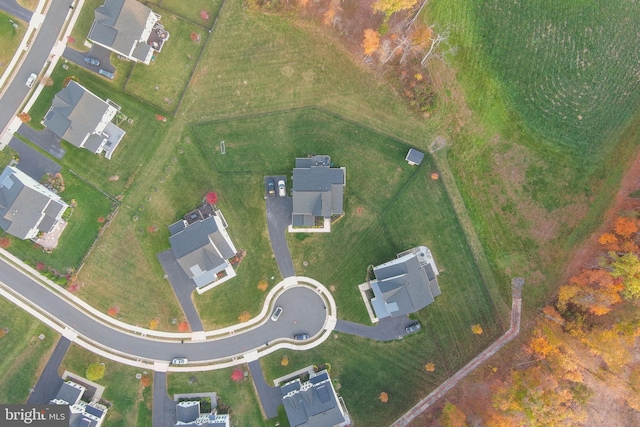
x,y
304,311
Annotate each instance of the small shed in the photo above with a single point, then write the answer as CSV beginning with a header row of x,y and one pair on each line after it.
x,y
414,157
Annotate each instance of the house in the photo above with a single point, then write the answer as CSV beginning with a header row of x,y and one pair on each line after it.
x,y
128,28
314,403
27,208
405,285
318,191
414,157
81,412
81,118
202,247
188,414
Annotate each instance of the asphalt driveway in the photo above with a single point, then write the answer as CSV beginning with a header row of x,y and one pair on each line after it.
x,y
270,397
279,211
45,139
49,382
98,52
387,329
164,409
32,162
183,288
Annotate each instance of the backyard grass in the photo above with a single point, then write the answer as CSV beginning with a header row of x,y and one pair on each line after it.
x,y
22,354
162,82
10,38
191,10
129,399
78,236
240,397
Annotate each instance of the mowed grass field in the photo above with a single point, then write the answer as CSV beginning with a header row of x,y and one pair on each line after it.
x,y
22,354
131,402
10,38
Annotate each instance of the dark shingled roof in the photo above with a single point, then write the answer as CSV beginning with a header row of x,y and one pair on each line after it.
x,y
69,393
414,156
315,406
317,190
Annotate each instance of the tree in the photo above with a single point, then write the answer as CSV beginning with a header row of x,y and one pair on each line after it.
x,y
627,267
95,371
452,416
625,227
389,7
2,332
212,197
153,324
237,375
145,381
244,316
204,15
607,239
113,311
46,80
263,285
430,367
540,347
384,397
5,242
24,117
477,329
371,41
183,326
285,360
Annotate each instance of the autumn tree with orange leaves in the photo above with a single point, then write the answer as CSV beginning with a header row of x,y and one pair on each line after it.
x,y
371,41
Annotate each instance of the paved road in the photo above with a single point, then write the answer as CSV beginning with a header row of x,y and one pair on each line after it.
x,y
279,211
164,409
49,382
13,8
32,162
270,397
45,139
387,329
34,61
183,287
304,311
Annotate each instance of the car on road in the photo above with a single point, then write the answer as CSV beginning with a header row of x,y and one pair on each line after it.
x,y
414,327
180,361
271,187
282,191
32,78
91,61
107,74
276,313
300,337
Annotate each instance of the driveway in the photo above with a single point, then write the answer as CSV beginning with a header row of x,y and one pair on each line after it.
x,y
100,53
183,288
387,329
279,211
45,139
32,162
270,397
49,382
13,8
164,409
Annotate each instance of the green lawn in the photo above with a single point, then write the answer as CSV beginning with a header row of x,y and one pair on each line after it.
x,y
162,82
78,236
191,10
22,354
131,402
10,38
240,397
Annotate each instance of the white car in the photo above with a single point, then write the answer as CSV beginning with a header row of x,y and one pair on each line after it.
x,y
32,78
180,361
276,313
282,191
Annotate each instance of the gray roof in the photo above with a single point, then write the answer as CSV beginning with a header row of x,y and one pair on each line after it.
x,y
201,250
75,113
23,208
402,286
119,25
315,406
69,393
414,156
317,189
188,413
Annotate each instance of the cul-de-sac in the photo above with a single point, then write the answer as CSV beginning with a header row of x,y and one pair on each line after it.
x,y
320,213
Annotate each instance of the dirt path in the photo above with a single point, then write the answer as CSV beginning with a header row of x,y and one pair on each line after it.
x,y
442,389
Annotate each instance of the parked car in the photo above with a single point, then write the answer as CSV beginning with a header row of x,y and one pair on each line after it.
x,y
91,61
271,187
32,78
414,327
106,73
276,313
282,191
301,337
180,361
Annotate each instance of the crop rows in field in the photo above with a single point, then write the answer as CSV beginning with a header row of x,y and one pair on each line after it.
x,y
571,70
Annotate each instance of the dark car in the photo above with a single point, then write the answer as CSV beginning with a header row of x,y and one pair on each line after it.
x,y
414,327
106,73
271,187
301,337
91,61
